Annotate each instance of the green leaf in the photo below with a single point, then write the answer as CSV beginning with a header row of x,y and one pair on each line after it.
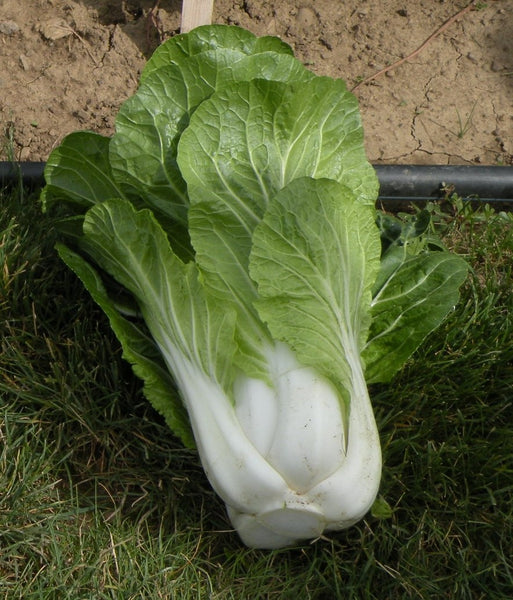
x,y
188,326
138,347
266,65
414,231
381,509
250,139
211,37
414,296
241,147
78,172
148,126
315,257
150,123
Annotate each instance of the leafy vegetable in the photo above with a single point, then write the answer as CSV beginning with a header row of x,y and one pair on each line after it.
x,y
228,231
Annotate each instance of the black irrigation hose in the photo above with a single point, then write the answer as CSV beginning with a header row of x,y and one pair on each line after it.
x,y
28,173
415,183
399,184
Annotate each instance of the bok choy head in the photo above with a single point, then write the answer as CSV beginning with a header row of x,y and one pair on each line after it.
x,y
228,231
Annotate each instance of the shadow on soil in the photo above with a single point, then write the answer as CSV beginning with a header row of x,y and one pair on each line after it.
x,y
140,19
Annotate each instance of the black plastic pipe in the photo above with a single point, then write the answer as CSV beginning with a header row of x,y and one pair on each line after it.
x,y
28,173
398,183
426,182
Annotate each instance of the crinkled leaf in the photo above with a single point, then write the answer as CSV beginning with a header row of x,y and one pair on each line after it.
x,y
211,37
150,123
252,138
148,126
315,257
267,65
414,295
242,146
413,231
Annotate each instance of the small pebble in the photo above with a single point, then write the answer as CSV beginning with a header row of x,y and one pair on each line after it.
x,y
24,62
9,27
54,29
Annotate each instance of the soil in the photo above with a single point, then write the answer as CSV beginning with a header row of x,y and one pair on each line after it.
x,y
69,64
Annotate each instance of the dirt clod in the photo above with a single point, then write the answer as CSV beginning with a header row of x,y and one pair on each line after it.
x,y
9,27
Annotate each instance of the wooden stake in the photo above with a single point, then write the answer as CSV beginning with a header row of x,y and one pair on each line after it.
x,y
195,13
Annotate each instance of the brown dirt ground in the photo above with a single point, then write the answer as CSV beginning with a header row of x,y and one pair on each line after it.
x,y
69,64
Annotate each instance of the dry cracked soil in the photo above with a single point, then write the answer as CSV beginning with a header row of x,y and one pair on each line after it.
x,y
69,64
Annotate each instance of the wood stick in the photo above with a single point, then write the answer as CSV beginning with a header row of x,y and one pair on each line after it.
x,y
195,13
436,33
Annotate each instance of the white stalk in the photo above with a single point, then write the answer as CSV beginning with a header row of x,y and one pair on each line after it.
x,y
277,456
332,484
239,474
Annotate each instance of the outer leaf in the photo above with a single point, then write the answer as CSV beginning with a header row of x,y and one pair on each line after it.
x,y
210,37
186,325
315,257
415,297
78,171
138,349
148,126
79,175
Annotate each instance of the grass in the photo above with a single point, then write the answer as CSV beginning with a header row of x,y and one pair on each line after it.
x,y
99,501
464,125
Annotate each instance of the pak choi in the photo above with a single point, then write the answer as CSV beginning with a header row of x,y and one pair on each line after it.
x,y
228,231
